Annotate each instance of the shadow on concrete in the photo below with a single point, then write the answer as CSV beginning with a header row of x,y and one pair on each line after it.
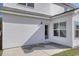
x,y
42,46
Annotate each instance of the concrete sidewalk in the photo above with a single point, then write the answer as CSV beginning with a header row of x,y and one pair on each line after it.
x,y
43,50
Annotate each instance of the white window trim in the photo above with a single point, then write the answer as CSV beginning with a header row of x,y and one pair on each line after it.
x,y
75,30
27,6
59,29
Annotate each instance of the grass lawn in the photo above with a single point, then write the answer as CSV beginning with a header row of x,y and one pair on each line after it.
x,y
1,51
71,52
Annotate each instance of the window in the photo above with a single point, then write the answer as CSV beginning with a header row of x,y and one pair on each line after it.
x,y
56,26
76,33
63,25
63,29
77,29
22,4
62,33
46,31
56,32
56,29
60,29
30,5
27,4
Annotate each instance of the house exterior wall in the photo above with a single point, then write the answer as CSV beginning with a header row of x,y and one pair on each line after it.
x,y
22,30
67,41
43,8
19,31
75,19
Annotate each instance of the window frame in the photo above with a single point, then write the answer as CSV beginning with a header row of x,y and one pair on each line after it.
x,y
76,29
22,4
26,4
76,33
56,29
63,29
30,6
59,29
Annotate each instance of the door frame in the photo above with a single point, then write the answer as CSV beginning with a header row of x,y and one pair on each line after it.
x,y
48,32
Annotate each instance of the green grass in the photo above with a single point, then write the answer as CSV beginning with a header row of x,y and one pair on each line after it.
x,y
71,52
1,51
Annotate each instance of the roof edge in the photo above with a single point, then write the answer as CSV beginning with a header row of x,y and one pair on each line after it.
x,y
65,12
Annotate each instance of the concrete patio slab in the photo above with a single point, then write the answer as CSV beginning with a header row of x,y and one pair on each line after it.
x,y
42,50
13,52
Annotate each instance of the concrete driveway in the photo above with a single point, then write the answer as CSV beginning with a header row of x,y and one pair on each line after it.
x,y
35,50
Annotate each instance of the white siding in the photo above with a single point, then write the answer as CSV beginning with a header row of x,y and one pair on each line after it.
x,y
43,8
75,19
19,31
61,40
55,9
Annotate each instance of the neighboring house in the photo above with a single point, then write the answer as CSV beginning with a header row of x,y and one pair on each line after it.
x,y
34,23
